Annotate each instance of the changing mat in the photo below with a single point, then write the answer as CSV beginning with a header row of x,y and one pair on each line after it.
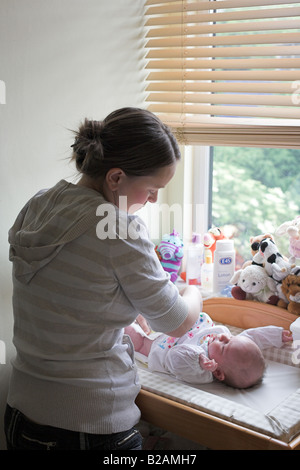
x,y
272,407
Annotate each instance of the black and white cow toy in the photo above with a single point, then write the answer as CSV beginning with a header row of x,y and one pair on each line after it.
x,y
273,262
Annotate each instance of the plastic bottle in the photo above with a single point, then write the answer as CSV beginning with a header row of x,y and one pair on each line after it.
x,y
194,260
207,271
224,264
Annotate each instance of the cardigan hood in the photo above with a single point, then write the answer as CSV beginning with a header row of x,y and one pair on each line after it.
x,y
46,223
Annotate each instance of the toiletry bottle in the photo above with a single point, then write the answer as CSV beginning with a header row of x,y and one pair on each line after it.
x,y
207,271
224,264
194,260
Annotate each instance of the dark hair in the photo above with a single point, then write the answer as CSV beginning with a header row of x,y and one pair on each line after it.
x,y
132,139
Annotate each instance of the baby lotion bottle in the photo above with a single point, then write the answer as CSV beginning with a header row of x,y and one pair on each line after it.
x,y
194,260
207,271
224,265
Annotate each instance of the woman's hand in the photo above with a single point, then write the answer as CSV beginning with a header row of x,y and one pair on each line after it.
x,y
143,324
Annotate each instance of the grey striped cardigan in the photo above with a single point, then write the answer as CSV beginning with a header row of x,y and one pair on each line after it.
x,y
74,290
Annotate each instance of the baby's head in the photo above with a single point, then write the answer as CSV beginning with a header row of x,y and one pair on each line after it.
x,y
240,361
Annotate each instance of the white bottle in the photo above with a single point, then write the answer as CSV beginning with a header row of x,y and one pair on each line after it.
x,y
224,264
194,260
207,272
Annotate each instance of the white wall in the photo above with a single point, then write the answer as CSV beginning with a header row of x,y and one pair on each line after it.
x,y
61,61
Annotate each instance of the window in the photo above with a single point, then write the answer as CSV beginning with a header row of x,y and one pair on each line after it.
x,y
224,75
253,191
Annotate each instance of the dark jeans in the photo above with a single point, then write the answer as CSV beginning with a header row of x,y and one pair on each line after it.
x,y
23,434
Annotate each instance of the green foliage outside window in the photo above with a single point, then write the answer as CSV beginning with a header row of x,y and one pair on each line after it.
x,y
254,191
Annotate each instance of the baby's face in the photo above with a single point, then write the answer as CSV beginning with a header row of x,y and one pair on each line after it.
x,y
226,349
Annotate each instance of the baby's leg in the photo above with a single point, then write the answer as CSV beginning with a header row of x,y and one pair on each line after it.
x,y
142,344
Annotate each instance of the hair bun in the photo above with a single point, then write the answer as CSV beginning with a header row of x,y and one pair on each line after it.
x,y
88,148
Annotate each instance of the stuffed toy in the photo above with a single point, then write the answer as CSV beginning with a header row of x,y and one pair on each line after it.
x,y
170,253
273,262
255,241
254,246
210,239
292,229
291,289
253,283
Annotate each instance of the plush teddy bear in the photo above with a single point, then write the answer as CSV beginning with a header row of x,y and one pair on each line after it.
x,y
253,283
291,289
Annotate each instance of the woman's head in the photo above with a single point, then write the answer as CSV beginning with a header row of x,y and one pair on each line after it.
x,y
131,139
129,155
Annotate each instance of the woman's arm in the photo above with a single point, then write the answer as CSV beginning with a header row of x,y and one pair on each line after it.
x,y
192,296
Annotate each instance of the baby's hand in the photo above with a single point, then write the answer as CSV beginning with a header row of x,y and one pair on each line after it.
x,y
286,336
207,364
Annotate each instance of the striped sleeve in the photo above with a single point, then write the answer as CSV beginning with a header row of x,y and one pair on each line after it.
x,y
144,282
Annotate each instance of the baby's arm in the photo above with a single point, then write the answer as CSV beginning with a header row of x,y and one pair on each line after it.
x,y
185,363
267,336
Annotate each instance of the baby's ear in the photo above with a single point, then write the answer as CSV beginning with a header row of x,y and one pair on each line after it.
x,y
219,374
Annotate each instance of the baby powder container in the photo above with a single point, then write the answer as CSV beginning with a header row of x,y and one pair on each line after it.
x,y
224,264
194,260
207,271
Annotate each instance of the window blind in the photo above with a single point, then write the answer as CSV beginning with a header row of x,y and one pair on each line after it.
x,y
225,72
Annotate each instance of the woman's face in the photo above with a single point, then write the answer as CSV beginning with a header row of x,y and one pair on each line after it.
x,y
133,192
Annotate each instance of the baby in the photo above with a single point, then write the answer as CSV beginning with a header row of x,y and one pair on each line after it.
x,y
209,351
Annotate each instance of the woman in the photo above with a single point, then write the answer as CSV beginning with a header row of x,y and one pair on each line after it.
x,y
83,269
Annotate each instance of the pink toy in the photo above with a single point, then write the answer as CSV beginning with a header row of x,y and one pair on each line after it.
x,y
170,253
292,229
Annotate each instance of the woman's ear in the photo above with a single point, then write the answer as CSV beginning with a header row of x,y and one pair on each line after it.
x,y
113,178
219,374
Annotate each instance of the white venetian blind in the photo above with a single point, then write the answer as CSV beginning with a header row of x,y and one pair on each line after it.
x,y
225,71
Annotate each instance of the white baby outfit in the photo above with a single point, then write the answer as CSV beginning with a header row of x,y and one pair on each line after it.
x,y
180,356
